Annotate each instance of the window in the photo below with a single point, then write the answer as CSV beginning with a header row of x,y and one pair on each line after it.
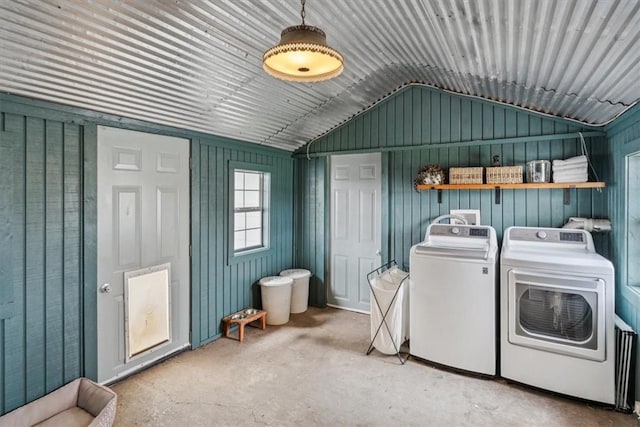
x,y
633,219
250,210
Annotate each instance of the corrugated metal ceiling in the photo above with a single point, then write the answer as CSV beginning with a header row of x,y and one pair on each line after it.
x,y
196,64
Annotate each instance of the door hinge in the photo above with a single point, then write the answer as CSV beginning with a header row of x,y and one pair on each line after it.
x,y
190,163
190,250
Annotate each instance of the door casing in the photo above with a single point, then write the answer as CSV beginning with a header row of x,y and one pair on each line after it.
x,y
355,180
149,175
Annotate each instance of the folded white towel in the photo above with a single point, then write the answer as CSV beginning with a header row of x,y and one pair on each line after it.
x,y
571,173
584,177
570,169
571,166
571,161
564,181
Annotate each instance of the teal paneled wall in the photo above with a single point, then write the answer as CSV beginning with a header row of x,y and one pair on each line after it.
x,y
624,139
48,240
220,288
310,224
418,116
41,267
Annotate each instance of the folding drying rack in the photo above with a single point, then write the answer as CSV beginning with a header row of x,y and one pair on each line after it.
x,y
377,273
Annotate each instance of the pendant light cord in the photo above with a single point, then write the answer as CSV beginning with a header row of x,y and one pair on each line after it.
x,y
302,12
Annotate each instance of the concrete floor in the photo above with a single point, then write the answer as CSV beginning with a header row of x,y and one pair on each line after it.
x,y
313,371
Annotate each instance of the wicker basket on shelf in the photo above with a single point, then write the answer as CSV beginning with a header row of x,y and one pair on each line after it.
x,y
465,175
504,175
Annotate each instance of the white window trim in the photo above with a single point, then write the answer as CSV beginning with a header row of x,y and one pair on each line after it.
x,y
632,281
267,195
263,194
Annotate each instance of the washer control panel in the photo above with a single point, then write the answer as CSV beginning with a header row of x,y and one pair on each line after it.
x,y
458,231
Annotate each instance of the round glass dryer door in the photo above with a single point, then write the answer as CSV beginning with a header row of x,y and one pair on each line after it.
x,y
556,313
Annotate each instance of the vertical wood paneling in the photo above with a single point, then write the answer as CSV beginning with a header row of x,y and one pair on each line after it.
x,y
310,222
425,103
381,122
434,118
13,344
218,274
316,249
368,131
421,115
54,255
415,109
196,239
35,258
72,253
322,201
385,200
230,291
41,341
221,287
202,297
89,239
445,118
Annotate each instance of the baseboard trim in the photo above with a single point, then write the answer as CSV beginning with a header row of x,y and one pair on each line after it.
x,y
348,309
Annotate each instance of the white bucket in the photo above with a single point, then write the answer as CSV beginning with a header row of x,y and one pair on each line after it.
x,y
300,290
276,298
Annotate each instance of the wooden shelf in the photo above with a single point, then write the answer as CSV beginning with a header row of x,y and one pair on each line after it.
x,y
537,185
567,186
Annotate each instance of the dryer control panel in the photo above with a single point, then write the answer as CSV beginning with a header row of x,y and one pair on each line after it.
x,y
548,235
532,236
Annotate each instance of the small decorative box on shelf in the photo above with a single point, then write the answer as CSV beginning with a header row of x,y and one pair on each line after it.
x,y
465,175
504,175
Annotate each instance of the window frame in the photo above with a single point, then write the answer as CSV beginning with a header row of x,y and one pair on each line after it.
x,y
619,210
631,277
267,218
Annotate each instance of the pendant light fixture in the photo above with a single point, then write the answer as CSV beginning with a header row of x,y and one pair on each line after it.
x,y
303,55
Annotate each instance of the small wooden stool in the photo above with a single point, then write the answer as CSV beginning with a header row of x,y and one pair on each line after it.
x,y
244,317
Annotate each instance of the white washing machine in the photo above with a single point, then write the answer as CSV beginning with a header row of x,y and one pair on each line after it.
x,y
557,313
453,290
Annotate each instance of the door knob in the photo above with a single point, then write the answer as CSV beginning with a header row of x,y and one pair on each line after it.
x,y
378,252
106,288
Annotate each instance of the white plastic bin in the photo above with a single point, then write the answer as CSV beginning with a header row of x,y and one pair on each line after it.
x,y
300,289
384,287
276,298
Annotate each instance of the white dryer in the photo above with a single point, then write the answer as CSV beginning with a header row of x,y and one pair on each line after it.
x,y
557,313
453,290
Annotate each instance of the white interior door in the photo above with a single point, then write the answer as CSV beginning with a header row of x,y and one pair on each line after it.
x,y
355,228
143,221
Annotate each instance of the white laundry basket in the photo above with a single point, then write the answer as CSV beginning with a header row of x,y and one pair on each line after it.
x,y
276,298
385,287
300,289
